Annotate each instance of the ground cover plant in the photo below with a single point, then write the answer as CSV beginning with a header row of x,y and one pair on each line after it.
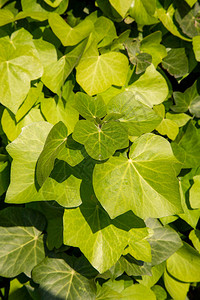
x,y
100,149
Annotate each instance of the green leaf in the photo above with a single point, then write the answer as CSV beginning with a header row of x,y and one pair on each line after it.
x,y
58,280
169,128
12,128
195,192
101,141
180,119
106,238
120,183
67,35
90,107
191,2
106,293
53,3
160,292
191,216
150,6
196,47
73,153
18,291
151,44
138,292
62,187
188,19
96,73
120,6
164,242
189,100
54,216
141,11
6,16
55,111
19,64
194,236
104,31
131,266
22,187
47,52
54,143
31,99
40,11
136,116
2,2
151,88
187,148
166,17
138,245
177,289
157,272
21,241
57,72
176,62
184,265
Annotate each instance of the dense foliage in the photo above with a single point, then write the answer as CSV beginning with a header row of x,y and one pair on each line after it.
x,y
100,149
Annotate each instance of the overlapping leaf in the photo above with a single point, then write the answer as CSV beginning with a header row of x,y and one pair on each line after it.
x,y
145,183
19,64
22,245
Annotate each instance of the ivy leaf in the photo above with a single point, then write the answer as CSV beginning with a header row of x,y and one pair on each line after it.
x,y
164,242
138,292
196,47
54,143
104,31
18,66
57,72
62,187
20,232
194,236
166,17
151,44
177,289
53,3
101,141
186,149
189,100
141,11
90,107
12,128
58,280
55,110
22,186
184,265
176,62
67,35
188,19
151,88
96,73
106,239
191,2
157,272
136,116
121,7
122,184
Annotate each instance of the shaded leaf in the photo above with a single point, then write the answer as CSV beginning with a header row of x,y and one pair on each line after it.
x,y
59,281
21,241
